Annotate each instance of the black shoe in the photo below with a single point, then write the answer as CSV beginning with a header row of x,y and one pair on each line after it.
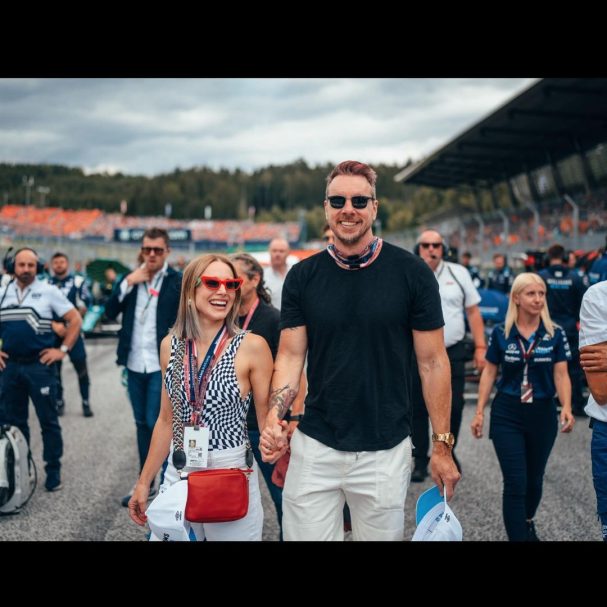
x,y
53,480
420,472
86,410
60,408
124,502
531,535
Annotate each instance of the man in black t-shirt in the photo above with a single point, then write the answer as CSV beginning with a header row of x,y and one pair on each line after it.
x,y
358,309
257,314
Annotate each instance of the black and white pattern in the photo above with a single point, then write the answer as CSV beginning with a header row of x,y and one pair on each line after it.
x,y
224,411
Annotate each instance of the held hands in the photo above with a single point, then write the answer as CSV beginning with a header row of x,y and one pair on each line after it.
x,y
139,502
273,442
3,357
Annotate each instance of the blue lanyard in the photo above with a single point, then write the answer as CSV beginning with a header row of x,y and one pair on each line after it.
x,y
203,367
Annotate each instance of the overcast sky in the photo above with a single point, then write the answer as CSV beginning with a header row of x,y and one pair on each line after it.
x,y
152,126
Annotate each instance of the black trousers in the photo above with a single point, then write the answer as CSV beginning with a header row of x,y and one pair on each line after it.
x,y
523,435
421,433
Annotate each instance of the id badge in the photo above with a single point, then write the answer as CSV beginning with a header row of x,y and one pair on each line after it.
x,y
526,392
196,446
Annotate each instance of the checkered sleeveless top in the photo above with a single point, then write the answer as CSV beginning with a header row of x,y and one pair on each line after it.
x,y
224,411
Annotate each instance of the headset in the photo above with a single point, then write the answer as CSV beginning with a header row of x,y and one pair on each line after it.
x,y
444,246
9,260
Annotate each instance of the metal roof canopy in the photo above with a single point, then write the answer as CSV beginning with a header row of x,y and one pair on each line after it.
x,y
551,120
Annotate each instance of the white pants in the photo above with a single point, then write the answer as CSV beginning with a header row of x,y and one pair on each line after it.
x,y
248,528
320,479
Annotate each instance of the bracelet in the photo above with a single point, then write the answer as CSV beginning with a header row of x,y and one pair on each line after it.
x,y
296,418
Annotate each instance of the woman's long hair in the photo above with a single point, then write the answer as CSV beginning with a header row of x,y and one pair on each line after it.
x,y
521,282
254,267
187,325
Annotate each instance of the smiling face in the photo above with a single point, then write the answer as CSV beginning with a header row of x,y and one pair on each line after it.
x,y
215,305
351,227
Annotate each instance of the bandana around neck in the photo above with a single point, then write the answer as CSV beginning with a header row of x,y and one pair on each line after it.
x,y
356,262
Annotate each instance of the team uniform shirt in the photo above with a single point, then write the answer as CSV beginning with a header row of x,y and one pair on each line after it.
x,y
143,356
564,295
593,330
475,275
74,288
25,317
507,353
500,280
456,293
598,270
359,327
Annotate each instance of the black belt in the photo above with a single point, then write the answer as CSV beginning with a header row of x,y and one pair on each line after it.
x,y
23,360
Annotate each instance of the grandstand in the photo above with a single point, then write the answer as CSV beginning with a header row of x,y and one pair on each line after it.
x,y
89,234
536,169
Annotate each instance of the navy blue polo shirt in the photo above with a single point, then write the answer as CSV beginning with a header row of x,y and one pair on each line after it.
x,y
507,353
564,295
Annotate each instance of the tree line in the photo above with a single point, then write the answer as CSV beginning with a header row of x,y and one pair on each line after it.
x,y
276,192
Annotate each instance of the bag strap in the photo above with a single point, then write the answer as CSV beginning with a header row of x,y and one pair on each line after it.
x,y
179,458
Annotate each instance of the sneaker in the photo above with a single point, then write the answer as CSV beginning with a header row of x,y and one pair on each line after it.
x,y
60,408
53,480
531,534
420,472
86,410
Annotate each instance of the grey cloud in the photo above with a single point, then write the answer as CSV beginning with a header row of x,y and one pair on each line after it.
x,y
148,126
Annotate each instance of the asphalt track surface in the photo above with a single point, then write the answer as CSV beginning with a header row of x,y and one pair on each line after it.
x,y
100,465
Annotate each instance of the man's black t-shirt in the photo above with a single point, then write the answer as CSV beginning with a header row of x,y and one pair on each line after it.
x,y
359,326
264,322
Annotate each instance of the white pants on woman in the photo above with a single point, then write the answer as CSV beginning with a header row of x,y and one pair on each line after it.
x,y
245,529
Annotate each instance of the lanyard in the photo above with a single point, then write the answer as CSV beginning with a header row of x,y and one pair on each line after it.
x,y
20,300
527,354
247,320
152,292
196,396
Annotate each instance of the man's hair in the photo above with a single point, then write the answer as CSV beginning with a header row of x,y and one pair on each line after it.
x,y
253,267
157,233
60,254
556,251
496,255
353,167
467,254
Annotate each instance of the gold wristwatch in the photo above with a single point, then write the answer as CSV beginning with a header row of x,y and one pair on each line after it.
x,y
445,437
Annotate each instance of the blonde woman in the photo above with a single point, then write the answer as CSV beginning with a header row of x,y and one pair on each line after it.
x,y
211,369
533,354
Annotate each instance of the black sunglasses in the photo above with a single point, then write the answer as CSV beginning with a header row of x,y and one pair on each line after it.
x,y
148,250
358,202
427,245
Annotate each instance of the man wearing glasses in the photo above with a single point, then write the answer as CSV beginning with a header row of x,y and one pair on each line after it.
x,y
459,301
358,309
148,298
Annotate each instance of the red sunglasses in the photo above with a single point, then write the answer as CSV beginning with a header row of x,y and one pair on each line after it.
x,y
213,283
